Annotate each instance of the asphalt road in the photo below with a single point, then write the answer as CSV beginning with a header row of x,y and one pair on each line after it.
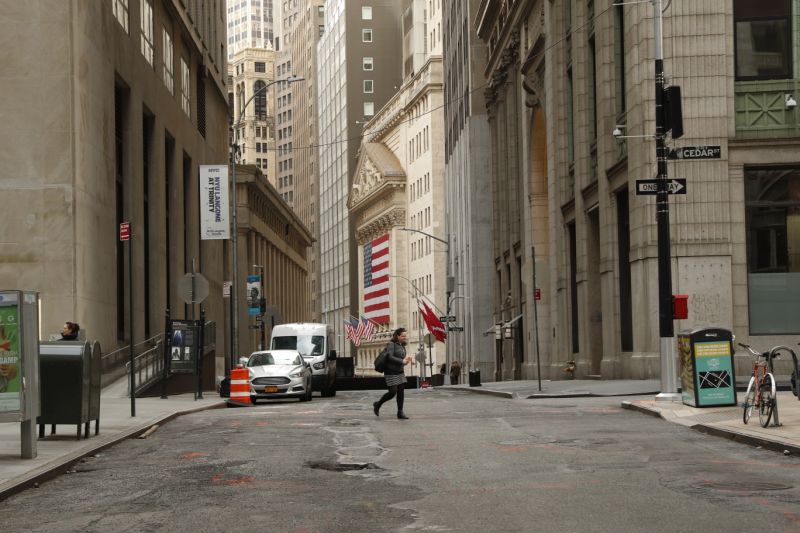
x,y
463,462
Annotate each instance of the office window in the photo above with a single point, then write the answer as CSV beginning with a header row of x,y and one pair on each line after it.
x,y
121,13
168,62
320,11
368,86
260,92
369,109
366,35
368,63
146,13
321,30
772,207
185,89
260,66
763,39
366,13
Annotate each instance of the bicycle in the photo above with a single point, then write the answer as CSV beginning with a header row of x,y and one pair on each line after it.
x,y
761,390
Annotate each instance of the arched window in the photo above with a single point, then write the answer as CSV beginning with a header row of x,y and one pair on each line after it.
x,y
260,92
241,96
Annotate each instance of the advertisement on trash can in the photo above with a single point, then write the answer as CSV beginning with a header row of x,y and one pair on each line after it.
x,y
707,373
10,368
714,373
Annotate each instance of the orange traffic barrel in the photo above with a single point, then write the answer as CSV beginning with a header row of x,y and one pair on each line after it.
x,y
240,385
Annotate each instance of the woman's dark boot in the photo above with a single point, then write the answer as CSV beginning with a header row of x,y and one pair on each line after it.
x,y
402,416
376,407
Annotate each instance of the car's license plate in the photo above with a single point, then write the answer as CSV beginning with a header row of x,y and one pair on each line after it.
x,y
270,389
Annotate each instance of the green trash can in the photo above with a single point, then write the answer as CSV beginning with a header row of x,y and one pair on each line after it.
x,y
707,370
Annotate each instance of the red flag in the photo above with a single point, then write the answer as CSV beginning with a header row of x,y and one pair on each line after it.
x,y
433,323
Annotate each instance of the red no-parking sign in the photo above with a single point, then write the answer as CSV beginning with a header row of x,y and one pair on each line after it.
x,y
125,231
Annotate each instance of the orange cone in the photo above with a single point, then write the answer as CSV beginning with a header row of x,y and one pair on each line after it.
x,y
240,385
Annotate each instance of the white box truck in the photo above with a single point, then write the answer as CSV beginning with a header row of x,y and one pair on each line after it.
x,y
315,344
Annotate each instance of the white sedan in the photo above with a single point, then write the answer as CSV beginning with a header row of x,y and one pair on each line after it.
x,y
279,374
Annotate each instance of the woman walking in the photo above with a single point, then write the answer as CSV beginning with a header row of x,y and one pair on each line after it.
x,y
396,358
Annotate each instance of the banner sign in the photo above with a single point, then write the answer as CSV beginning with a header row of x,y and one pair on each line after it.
x,y
10,369
253,295
214,217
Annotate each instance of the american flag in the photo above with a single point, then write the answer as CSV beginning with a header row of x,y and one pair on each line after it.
x,y
350,330
367,326
376,280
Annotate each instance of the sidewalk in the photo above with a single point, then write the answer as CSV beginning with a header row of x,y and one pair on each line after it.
x,y
720,421
57,453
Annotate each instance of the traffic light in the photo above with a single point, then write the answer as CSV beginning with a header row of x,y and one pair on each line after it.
x,y
673,112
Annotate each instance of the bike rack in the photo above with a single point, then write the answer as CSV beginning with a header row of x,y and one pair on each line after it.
x,y
775,420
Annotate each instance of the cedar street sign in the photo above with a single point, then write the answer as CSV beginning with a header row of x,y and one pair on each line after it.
x,y
695,152
650,187
455,328
450,318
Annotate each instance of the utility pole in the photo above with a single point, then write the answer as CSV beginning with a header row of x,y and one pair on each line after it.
x,y
666,326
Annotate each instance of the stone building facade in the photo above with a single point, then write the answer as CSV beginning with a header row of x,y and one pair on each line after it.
x,y
568,224
272,238
398,193
251,70
140,105
468,195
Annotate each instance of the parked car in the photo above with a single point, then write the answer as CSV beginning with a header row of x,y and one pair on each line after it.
x,y
279,374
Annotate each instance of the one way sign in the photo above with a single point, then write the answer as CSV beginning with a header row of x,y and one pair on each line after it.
x,y
650,187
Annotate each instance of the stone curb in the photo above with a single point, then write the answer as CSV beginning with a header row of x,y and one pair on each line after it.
x,y
488,392
729,434
60,465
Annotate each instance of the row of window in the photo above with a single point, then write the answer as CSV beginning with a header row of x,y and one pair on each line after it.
x,y
419,144
422,219
420,248
120,10
285,181
420,187
284,133
285,165
285,116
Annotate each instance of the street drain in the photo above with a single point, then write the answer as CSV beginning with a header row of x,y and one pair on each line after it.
x,y
742,486
341,467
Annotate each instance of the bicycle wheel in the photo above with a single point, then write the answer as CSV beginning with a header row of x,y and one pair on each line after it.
x,y
749,402
767,403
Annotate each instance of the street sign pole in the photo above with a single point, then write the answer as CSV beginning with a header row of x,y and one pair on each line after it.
x,y
665,323
125,235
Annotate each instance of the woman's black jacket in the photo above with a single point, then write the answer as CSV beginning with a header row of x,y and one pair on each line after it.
x,y
394,359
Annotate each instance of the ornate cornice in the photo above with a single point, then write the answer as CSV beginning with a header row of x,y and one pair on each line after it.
x,y
381,224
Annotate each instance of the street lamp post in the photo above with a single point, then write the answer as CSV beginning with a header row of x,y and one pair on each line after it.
x,y
234,235
416,294
450,283
665,313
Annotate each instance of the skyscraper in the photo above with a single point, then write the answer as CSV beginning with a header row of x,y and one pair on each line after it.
x,y
300,30
359,69
249,25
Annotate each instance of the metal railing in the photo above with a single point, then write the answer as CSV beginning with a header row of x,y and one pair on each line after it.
x,y
149,368
120,356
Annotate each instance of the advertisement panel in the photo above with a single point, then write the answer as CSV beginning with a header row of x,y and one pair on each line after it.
x,y
183,346
253,295
10,368
214,217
